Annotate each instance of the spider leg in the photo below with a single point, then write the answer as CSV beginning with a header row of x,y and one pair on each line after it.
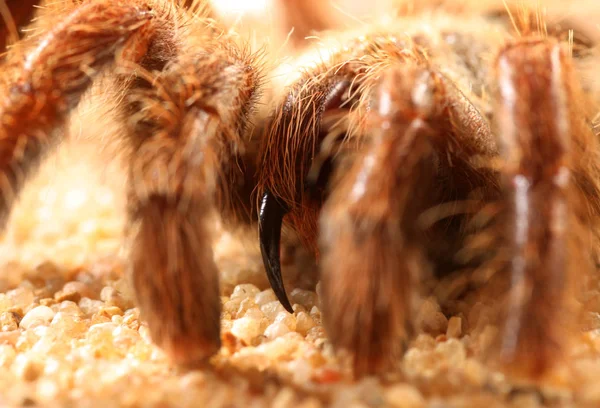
x,y
373,249
370,258
184,139
543,138
39,90
187,102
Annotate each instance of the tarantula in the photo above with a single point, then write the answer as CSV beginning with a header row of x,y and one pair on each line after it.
x,y
438,141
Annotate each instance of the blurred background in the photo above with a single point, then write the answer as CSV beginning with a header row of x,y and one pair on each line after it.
x,y
272,16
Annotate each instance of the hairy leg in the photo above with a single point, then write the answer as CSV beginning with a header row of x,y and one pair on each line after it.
x,y
371,258
373,248
551,197
39,88
183,142
186,105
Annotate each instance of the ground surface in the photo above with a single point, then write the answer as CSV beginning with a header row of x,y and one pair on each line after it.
x,y
71,336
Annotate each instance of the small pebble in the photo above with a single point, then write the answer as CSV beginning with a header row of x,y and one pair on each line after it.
x,y
303,297
280,348
90,306
275,330
265,297
112,297
245,305
404,396
110,311
244,291
47,389
72,326
246,329
288,319
47,270
73,291
21,297
47,302
9,321
9,337
254,313
315,334
315,313
37,315
304,323
453,351
125,337
430,318
131,319
272,309
232,306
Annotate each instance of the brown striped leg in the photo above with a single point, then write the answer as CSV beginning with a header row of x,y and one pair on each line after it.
x,y
39,90
183,137
542,135
372,246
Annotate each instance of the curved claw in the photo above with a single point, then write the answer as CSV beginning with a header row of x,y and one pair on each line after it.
x,y
270,220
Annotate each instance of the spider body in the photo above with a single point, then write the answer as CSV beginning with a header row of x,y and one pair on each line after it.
x,y
419,146
422,118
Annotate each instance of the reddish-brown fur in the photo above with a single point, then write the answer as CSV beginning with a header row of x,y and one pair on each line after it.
x,y
184,140
542,135
186,110
373,252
